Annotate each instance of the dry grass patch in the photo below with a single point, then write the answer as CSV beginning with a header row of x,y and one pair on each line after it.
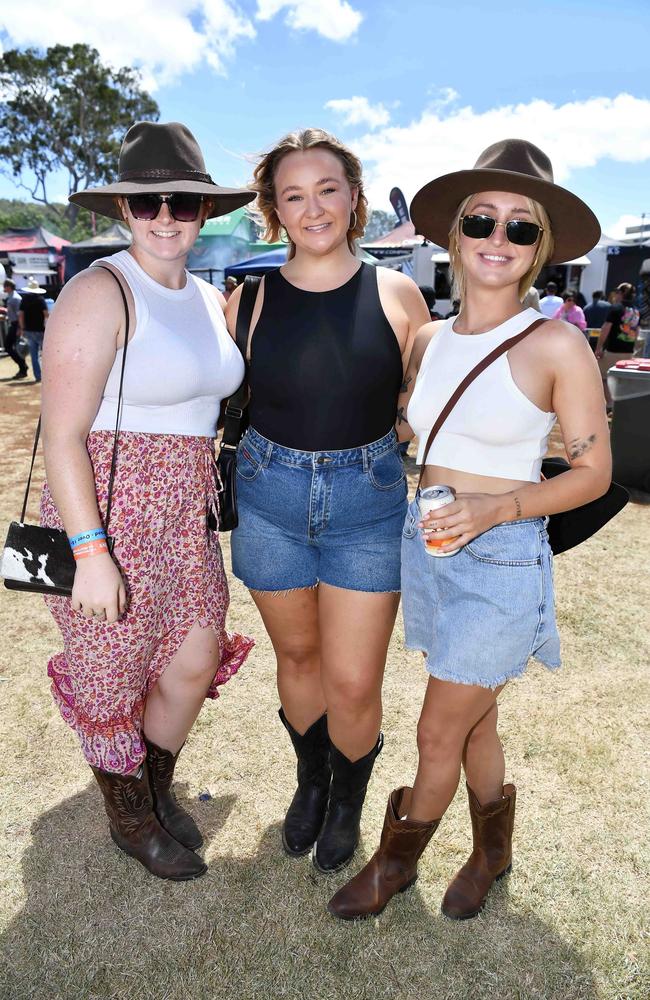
x,y
80,921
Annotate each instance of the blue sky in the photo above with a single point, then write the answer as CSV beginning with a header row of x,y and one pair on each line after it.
x,y
417,88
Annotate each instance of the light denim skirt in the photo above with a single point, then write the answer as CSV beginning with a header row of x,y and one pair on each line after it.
x,y
479,615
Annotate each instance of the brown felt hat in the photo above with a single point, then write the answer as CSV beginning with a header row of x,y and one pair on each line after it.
x,y
512,165
161,158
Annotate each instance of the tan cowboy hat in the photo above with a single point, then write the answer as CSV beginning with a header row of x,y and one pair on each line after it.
x,y
33,286
517,166
161,158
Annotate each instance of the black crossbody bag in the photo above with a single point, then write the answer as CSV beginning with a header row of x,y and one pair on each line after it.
x,y
570,527
39,560
235,418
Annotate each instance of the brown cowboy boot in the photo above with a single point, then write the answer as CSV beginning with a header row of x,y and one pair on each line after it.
x,y
393,867
172,817
137,832
491,857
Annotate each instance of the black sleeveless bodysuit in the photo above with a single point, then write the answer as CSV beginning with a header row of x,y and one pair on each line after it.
x,y
325,367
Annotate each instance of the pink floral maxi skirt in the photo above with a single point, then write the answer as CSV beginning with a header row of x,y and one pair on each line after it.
x,y
174,574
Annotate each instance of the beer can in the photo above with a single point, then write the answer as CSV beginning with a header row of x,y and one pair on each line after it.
x,y
432,498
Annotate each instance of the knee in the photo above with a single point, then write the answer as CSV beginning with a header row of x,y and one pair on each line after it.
x,y
353,696
438,740
295,661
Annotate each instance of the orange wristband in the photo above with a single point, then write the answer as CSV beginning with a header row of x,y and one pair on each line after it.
x,y
90,549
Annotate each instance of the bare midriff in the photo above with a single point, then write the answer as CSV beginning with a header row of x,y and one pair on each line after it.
x,y
468,482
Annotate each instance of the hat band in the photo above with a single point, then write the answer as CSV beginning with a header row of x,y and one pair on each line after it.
x,y
165,175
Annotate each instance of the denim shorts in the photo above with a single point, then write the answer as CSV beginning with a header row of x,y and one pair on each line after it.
x,y
309,517
479,615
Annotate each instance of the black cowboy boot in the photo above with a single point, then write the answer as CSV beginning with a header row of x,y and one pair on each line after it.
x,y
339,836
173,817
307,810
137,832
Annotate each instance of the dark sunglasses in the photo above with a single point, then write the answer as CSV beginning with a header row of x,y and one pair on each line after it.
x,y
183,206
479,227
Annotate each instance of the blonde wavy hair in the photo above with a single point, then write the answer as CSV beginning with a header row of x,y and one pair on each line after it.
x,y
545,247
300,141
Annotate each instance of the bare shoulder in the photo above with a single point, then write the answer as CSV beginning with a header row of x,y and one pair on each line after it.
x,y
91,291
557,338
396,282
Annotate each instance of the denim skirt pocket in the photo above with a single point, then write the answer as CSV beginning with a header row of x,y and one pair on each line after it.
x,y
516,543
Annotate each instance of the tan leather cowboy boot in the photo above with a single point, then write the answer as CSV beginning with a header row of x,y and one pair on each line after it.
x,y
171,815
137,832
491,857
393,867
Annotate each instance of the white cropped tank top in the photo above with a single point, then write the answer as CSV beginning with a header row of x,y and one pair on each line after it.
x,y
181,361
494,429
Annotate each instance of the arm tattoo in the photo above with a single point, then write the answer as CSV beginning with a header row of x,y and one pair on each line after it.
x,y
405,384
517,507
401,418
579,446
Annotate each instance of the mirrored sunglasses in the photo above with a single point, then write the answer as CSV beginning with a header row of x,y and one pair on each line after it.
x,y
518,231
183,206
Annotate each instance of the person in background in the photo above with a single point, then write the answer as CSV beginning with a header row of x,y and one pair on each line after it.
x,y
596,313
229,287
429,297
550,301
570,312
618,333
12,307
32,317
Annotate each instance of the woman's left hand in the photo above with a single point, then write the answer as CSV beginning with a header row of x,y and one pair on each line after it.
x,y
468,516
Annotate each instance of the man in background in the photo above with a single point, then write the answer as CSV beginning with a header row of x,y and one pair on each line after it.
x,y
618,333
32,317
12,308
551,301
596,313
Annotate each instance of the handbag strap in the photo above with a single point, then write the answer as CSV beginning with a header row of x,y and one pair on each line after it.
x,y
467,381
234,412
117,418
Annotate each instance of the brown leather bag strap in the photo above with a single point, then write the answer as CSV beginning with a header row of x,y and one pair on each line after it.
x,y
467,381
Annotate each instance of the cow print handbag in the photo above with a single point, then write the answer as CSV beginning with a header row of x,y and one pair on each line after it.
x,y
40,560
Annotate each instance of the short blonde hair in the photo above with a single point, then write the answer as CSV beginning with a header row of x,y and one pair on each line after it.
x,y
545,247
300,141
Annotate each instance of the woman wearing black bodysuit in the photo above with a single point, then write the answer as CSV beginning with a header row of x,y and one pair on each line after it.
x,y
322,492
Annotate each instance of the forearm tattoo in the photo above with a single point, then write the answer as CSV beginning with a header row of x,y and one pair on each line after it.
x,y
580,446
517,507
401,417
405,384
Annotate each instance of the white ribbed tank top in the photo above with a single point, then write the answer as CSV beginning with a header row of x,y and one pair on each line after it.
x,y
494,429
181,361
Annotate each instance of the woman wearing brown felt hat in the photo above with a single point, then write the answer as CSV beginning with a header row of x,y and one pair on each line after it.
x,y
481,613
144,632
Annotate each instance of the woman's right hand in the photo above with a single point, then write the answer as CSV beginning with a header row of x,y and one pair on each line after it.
x,y
98,590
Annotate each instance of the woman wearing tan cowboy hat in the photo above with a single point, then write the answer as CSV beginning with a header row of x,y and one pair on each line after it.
x,y
144,632
32,317
481,613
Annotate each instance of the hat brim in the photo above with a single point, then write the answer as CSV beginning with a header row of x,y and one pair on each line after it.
x,y
576,229
101,200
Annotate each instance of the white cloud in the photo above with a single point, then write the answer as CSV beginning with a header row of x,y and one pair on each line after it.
x,y
162,38
336,20
576,134
359,111
617,229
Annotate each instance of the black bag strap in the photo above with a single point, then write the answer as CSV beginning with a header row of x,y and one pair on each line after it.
x,y
234,412
117,419
467,381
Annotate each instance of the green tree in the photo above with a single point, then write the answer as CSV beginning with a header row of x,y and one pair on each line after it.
x,y
65,111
